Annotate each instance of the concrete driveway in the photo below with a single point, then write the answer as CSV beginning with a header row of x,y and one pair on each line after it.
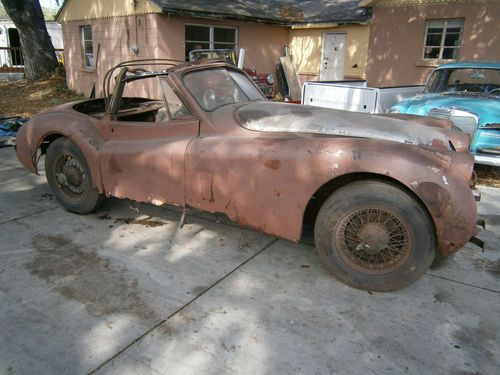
x,y
124,291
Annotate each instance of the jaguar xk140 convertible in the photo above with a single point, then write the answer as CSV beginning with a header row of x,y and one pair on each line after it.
x,y
386,194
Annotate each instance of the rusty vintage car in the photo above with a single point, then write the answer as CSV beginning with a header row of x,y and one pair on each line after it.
x,y
384,199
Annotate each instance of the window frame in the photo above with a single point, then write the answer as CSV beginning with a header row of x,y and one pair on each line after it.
x,y
83,41
443,38
211,42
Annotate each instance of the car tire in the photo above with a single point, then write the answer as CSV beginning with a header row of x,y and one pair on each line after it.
x,y
373,235
69,177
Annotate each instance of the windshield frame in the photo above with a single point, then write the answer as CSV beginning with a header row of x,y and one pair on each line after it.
x,y
251,92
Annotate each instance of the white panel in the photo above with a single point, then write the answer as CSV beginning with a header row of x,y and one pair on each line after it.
x,y
355,99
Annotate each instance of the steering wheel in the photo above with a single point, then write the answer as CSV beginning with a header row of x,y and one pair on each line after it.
x,y
209,99
492,91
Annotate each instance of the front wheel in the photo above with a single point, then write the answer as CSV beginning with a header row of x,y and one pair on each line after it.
x,y
373,235
69,177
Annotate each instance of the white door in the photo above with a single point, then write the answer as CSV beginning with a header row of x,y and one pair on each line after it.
x,y
332,59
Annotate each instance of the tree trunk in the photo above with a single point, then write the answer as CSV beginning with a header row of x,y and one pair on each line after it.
x,y
38,51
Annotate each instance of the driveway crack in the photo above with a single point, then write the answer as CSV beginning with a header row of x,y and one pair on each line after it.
x,y
29,215
463,283
272,242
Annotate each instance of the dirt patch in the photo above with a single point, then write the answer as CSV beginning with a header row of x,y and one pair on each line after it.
x,y
24,98
491,266
81,275
147,222
477,341
487,175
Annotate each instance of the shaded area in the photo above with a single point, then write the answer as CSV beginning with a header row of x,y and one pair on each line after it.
x,y
25,99
308,322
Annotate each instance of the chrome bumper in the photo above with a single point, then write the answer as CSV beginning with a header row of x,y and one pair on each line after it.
x,y
487,159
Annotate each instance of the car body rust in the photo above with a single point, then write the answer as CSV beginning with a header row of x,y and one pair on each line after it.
x,y
258,162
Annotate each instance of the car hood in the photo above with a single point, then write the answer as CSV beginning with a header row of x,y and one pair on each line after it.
x,y
282,117
486,108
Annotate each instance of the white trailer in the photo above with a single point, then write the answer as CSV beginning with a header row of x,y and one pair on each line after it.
x,y
8,31
355,96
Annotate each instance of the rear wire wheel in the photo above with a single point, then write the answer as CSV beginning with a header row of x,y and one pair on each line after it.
x,y
69,177
373,235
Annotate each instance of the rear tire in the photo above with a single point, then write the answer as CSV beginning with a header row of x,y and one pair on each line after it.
x,y
373,235
68,175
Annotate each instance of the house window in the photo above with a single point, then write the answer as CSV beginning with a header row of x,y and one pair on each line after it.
x,y
88,51
209,37
443,39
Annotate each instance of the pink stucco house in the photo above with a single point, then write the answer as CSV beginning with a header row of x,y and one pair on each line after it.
x,y
136,29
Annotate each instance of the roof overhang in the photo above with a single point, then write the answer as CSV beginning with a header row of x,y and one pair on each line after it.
x,y
325,25
223,16
246,13
61,9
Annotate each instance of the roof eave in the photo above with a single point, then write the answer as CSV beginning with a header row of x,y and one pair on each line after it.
x,y
59,12
326,24
224,16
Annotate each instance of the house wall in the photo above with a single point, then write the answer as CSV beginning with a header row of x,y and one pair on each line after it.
x,y
117,37
264,44
398,32
158,36
306,46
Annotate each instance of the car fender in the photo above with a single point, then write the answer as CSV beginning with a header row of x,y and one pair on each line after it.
x,y
78,128
266,183
440,181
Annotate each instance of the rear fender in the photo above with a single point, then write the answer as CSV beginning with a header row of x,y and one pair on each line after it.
x,y
78,128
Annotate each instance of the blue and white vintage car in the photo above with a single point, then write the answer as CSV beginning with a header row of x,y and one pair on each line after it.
x,y
468,94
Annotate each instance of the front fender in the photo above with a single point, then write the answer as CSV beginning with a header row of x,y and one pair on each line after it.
x,y
79,128
439,180
267,182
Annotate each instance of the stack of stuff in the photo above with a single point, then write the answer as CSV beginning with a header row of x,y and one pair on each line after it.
x,y
9,125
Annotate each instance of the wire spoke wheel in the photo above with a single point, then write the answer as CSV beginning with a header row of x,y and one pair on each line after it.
x,y
375,235
373,240
70,176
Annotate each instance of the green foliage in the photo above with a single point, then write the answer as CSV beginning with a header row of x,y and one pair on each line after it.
x,y
48,13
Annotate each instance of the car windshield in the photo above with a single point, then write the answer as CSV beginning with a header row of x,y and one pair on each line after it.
x,y
214,88
466,81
